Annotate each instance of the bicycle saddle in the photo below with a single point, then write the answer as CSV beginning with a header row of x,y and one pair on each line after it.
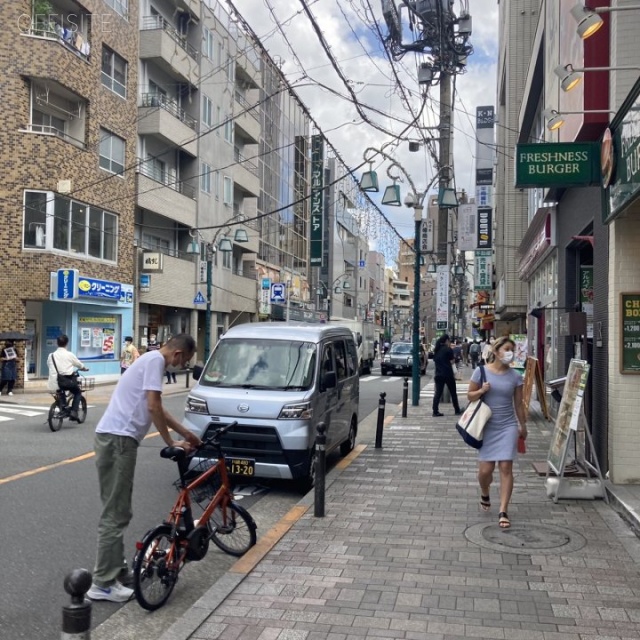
x,y
173,453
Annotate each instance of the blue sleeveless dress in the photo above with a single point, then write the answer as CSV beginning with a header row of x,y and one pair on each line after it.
x,y
500,439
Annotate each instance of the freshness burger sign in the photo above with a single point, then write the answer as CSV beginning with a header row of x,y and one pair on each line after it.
x,y
557,164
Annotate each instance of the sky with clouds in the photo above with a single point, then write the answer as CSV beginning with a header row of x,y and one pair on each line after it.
x,y
349,29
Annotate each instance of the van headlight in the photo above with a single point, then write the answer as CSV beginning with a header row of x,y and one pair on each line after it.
x,y
196,405
297,411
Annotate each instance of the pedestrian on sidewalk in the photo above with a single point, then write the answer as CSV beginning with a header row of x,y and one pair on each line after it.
x,y
502,391
443,359
129,354
136,402
474,353
465,352
9,369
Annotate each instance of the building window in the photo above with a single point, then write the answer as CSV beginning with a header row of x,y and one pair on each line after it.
x,y
119,6
230,68
216,184
207,112
208,44
218,120
205,178
52,221
111,152
114,71
228,130
227,191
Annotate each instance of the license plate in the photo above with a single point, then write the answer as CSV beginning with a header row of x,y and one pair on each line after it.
x,y
241,466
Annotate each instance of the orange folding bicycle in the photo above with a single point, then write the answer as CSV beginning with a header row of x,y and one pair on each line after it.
x,y
164,550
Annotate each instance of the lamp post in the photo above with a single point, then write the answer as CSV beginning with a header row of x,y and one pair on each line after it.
x,y
225,246
335,288
414,200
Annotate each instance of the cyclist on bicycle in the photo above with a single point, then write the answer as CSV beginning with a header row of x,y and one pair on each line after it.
x,y
62,365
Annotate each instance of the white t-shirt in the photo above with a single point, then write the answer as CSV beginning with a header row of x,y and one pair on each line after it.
x,y
66,362
128,413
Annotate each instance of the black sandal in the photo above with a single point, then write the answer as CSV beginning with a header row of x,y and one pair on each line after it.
x,y
503,520
485,503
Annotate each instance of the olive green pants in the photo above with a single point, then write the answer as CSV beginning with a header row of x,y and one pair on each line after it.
x,y
116,464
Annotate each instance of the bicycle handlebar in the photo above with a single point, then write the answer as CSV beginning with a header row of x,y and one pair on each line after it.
x,y
215,437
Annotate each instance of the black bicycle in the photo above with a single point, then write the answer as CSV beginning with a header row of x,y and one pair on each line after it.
x,y
60,410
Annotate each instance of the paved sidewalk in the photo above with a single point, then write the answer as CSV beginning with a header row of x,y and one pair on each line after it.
x,y
405,552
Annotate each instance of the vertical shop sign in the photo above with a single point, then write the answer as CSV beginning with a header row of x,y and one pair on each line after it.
x,y
630,332
317,196
586,296
485,241
442,297
484,270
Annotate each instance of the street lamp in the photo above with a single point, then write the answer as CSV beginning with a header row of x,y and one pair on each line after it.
x,y
225,246
337,289
414,200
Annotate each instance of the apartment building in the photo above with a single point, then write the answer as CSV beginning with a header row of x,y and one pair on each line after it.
x,y
68,137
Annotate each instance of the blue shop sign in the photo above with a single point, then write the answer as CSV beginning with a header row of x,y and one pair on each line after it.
x,y
67,284
93,288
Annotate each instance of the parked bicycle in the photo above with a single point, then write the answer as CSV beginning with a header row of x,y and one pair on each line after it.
x,y
60,410
164,550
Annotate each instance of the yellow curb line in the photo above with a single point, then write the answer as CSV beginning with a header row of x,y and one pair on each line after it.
x,y
250,559
55,465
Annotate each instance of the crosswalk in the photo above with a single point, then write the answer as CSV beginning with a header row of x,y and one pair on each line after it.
x,y
12,411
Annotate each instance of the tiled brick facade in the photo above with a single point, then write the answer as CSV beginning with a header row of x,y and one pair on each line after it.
x,y
38,161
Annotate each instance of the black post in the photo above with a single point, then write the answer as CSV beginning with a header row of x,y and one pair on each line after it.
x,y
76,616
186,378
380,424
321,445
405,397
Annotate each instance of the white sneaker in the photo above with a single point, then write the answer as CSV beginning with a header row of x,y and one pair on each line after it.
x,y
115,593
10,393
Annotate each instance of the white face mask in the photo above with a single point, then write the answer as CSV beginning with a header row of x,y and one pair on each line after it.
x,y
507,357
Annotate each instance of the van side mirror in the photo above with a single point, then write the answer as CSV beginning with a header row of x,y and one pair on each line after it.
x,y
197,371
329,380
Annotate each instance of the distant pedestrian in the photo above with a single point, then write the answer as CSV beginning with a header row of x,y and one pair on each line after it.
x,y
443,360
153,344
502,391
9,371
457,357
486,350
474,353
129,354
465,352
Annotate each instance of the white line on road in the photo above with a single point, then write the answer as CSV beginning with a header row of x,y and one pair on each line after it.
x,y
29,413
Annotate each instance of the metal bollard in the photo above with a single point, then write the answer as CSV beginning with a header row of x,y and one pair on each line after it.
x,y
76,617
321,463
380,424
186,384
405,397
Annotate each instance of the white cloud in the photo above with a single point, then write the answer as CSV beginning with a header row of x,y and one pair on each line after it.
x,y
369,71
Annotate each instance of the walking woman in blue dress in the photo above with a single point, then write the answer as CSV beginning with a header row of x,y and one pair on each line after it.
x,y
502,391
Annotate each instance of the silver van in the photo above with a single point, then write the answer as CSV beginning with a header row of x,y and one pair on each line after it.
x,y
278,381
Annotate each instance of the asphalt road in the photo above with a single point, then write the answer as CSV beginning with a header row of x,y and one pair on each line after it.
x,y
50,507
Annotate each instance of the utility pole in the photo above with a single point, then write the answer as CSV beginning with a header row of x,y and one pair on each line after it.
x,y
444,161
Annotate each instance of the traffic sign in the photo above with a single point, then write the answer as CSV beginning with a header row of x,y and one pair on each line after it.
x,y
441,325
361,264
278,292
199,299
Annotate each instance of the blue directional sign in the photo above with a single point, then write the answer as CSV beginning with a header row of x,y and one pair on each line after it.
x,y
67,284
199,299
278,292
361,264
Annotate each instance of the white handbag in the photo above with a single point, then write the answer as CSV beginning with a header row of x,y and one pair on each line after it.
x,y
474,418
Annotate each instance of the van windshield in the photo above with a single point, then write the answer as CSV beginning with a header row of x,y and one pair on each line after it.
x,y
257,364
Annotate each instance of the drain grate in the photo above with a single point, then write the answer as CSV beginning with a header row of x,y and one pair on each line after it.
x,y
525,538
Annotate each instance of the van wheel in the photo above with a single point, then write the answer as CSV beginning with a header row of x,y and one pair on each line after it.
x,y
347,446
306,483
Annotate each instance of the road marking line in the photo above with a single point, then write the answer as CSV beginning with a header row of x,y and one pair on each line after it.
x,y
54,465
28,413
3,419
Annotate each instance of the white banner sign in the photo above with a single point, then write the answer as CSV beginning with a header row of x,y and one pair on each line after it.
x,y
442,294
467,227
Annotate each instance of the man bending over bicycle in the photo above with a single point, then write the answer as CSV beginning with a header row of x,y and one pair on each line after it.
x,y
136,402
62,365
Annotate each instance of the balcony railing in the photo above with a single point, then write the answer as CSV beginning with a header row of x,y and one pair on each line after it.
x,y
250,108
163,177
158,22
238,214
247,164
51,30
169,105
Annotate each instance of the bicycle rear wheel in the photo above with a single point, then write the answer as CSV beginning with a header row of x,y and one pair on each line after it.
x,y
55,417
82,410
155,568
232,529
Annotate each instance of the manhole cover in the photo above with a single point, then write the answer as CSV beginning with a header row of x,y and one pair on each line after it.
x,y
525,538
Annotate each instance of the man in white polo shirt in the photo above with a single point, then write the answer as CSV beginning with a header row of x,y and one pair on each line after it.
x,y
135,404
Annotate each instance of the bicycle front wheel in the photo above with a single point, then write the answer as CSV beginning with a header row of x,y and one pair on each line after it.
x,y
82,410
232,529
155,568
55,417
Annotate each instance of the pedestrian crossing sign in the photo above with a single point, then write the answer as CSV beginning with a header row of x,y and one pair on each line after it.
x,y
199,299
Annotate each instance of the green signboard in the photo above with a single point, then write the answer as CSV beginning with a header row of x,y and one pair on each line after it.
x,y
625,160
561,164
630,332
317,200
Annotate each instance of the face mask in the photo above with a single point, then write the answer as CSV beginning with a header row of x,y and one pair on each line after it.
x,y
507,357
